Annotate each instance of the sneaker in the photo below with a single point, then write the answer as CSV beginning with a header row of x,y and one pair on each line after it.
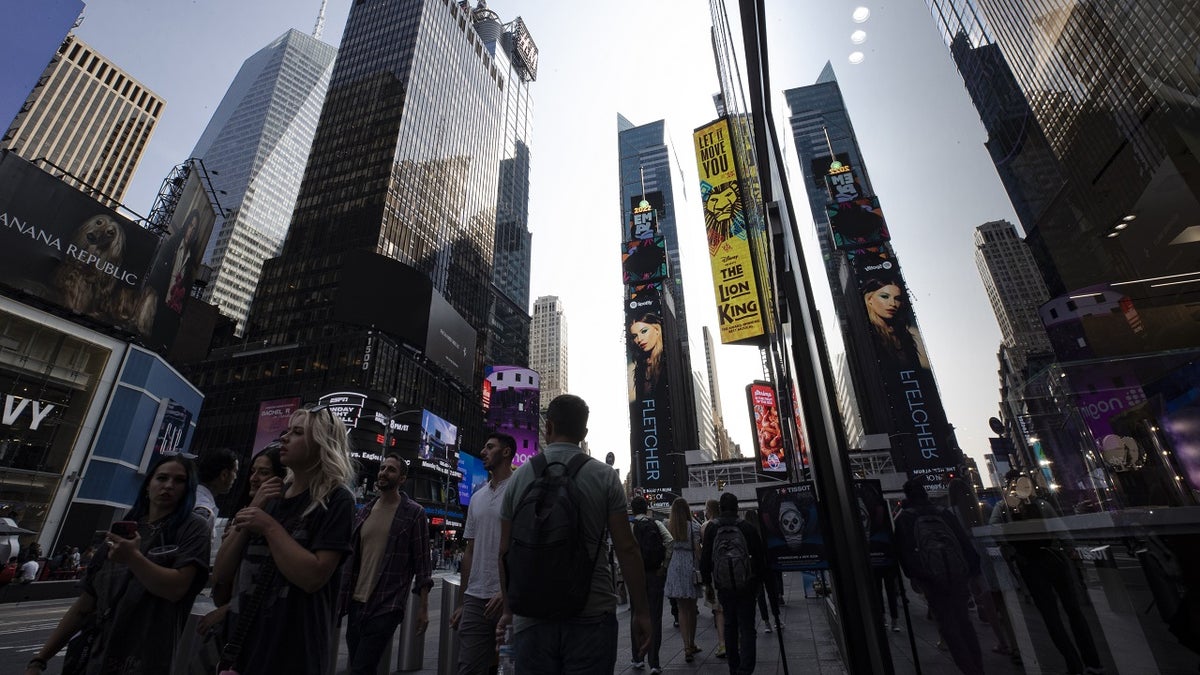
x,y
656,671
895,624
720,654
768,626
637,665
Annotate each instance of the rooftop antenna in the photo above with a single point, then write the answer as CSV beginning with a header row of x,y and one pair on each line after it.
x,y
828,143
642,176
320,27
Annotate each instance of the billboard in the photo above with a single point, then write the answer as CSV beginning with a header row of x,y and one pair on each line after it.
x,y
921,429
768,437
739,306
644,260
273,418
450,340
63,247
173,428
439,438
643,220
791,527
857,223
474,476
649,355
512,399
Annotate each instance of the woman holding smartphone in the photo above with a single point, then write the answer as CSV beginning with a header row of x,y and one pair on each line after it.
x,y
139,587
287,554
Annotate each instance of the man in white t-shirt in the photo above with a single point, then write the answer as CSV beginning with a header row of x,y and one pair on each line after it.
x,y
480,601
28,572
218,470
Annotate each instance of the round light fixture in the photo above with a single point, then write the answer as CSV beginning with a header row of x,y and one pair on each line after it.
x,y
1120,226
860,14
856,58
1129,218
858,37
1113,234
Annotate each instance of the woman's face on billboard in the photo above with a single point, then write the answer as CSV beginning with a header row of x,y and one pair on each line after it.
x,y
646,336
884,302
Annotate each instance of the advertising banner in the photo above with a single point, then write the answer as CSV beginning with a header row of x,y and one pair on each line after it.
x,y
927,451
439,438
857,224
173,429
768,437
514,401
739,306
644,260
62,246
273,418
791,527
649,351
643,221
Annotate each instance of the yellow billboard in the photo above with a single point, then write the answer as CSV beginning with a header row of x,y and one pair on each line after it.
x,y
739,306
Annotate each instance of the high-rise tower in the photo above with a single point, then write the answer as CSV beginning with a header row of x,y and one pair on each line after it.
x,y
1013,284
548,346
257,144
89,118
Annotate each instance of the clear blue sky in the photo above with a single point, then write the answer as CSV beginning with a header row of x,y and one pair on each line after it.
x,y
652,59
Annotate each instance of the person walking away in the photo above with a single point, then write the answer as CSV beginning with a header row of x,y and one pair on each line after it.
x,y
733,561
654,543
965,506
937,556
218,473
751,516
712,509
138,590
390,557
558,590
480,601
682,571
288,554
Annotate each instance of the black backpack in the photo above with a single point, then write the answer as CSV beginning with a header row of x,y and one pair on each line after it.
x,y
933,552
548,566
732,570
649,539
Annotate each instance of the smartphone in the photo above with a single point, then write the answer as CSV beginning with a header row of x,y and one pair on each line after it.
x,y
125,528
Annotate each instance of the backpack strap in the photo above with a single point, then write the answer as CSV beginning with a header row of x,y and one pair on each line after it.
x,y
576,464
539,463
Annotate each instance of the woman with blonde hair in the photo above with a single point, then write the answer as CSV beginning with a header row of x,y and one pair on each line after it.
x,y
681,572
287,554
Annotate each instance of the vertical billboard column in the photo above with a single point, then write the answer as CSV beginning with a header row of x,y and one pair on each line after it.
x,y
739,305
649,355
768,434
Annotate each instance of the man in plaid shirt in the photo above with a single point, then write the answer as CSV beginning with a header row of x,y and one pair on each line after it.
x,y
391,548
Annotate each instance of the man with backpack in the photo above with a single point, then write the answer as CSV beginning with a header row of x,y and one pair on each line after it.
x,y
654,542
936,554
558,587
733,560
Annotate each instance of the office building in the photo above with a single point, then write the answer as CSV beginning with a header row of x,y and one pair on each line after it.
x,y
384,285
706,429
25,53
888,365
548,347
1013,284
724,445
256,146
847,403
87,118
515,56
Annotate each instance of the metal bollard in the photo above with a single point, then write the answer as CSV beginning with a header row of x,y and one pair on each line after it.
x,y
447,636
412,643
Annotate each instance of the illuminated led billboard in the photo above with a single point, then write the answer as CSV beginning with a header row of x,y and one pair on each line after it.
x,y
922,431
512,401
650,350
739,306
857,223
644,260
643,219
768,437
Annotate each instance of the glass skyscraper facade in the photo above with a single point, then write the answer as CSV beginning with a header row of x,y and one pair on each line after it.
x,y
403,174
256,146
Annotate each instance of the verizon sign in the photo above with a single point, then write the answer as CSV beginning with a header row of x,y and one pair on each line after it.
x,y
17,408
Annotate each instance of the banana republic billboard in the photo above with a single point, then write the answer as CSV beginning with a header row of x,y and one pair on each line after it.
x,y
739,306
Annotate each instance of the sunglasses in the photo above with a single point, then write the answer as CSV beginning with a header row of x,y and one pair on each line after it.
x,y
318,408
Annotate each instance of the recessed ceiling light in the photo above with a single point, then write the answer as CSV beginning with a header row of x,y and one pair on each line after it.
x,y
856,58
1113,234
858,37
1120,226
1129,218
860,14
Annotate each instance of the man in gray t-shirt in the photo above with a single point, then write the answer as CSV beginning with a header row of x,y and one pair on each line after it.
x,y
587,642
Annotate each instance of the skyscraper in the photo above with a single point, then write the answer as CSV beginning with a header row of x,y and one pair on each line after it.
x,y
890,371
515,55
89,118
381,295
724,446
706,428
1013,284
257,144
548,346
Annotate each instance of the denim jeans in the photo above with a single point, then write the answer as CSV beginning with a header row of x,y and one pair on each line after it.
x,y
654,598
476,638
367,640
741,638
580,646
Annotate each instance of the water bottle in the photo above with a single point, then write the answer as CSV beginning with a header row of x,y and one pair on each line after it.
x,y
508,658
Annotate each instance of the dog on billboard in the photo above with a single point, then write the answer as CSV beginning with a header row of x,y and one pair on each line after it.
x,y
85,287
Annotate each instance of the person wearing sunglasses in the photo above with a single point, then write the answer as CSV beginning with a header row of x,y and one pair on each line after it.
x,y
288,554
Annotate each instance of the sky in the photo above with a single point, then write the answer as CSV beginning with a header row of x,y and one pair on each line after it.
x,y
652,59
